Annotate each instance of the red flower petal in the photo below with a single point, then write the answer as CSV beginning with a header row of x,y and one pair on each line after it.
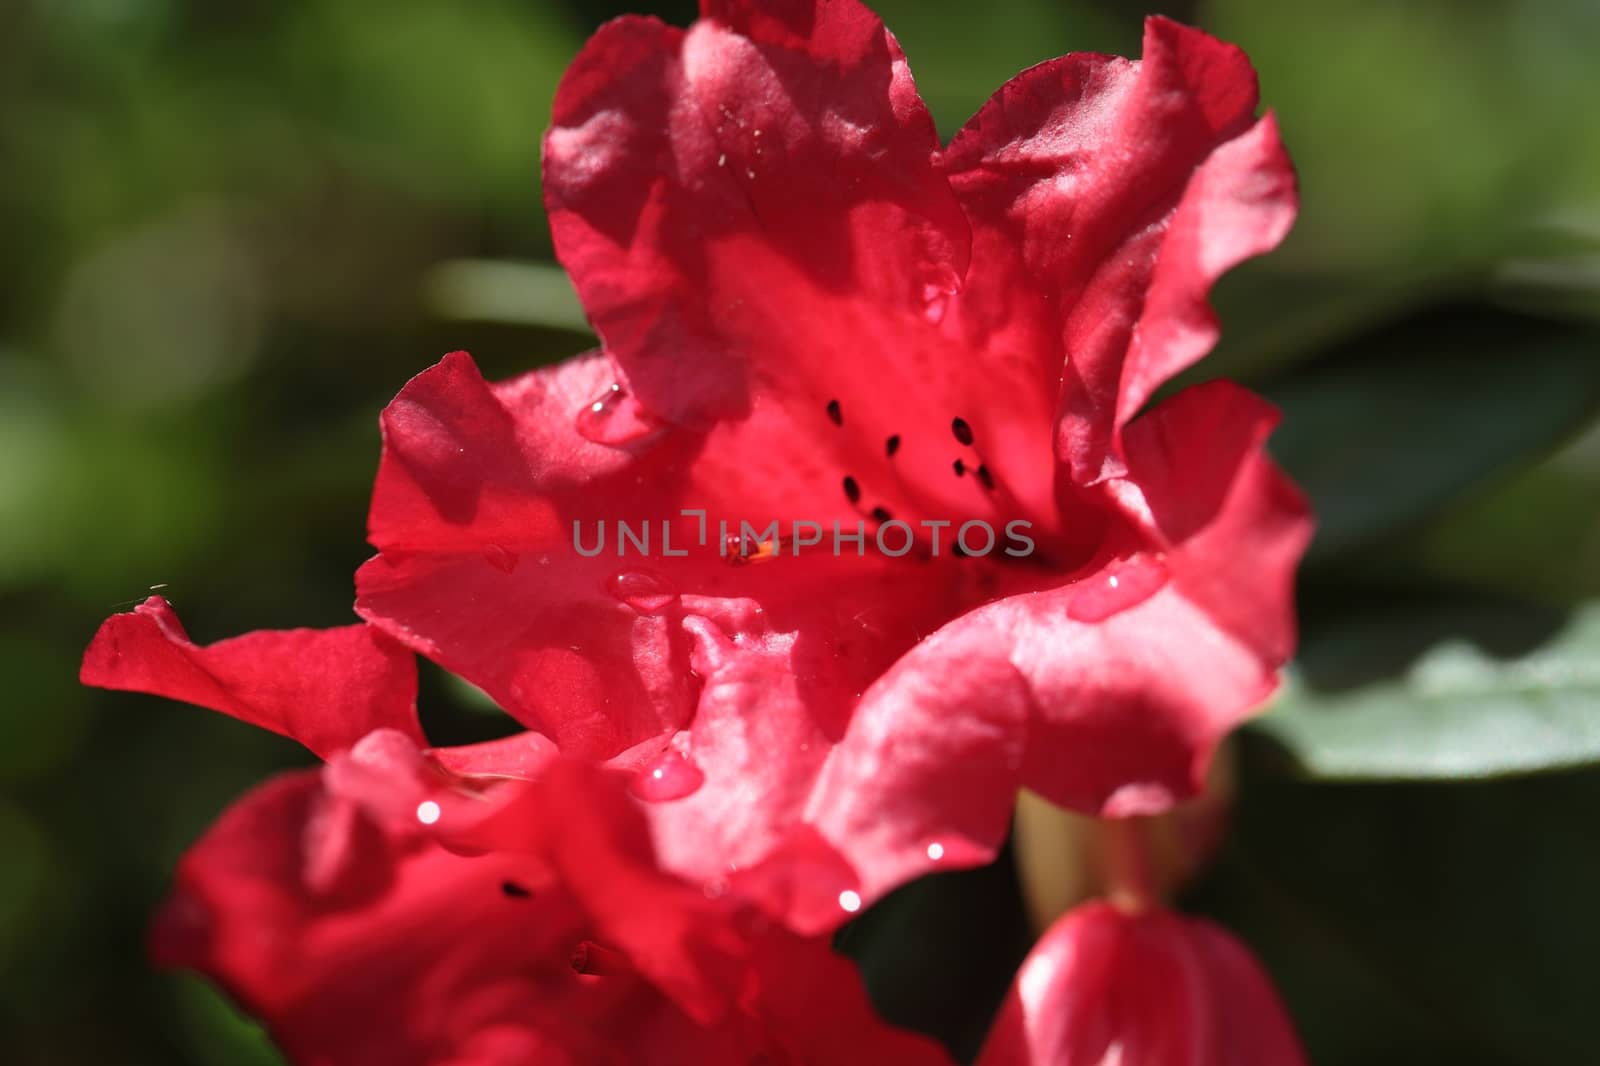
x,y
1231,521
420,958
768,157
754,215
1106,197
325,688
359,939
522,755
1153,989
474,504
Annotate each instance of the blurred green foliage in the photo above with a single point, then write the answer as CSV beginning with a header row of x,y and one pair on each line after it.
x,y
236,229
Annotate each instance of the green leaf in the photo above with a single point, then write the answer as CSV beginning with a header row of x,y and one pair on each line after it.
x,y
512,293
1385,432
1535,537
1479,692
1417,161
216,1029
1413,924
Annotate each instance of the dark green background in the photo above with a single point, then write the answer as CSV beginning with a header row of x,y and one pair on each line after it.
x,y
232,231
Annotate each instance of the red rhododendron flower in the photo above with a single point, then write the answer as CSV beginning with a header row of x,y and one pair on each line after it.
x,y
377,914
813,313
1109,988
910,383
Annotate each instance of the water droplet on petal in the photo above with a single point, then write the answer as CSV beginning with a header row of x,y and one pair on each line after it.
x,y
615,418
644,591
428,812
500,558
1124,584
936,294
936,851
849,901
672,776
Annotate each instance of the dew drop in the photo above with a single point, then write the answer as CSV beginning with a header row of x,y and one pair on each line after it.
x,y
936,851
672,776
936,295
849,901
642,590
615,418
1124,584
500,558
428,812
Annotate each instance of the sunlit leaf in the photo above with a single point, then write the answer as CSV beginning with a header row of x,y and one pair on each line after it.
x,y
1444,693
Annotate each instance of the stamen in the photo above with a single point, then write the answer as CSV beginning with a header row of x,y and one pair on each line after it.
x,y
738,550
959,467
891,445
514,890
835,413
852,491
962,431
881,514
985,478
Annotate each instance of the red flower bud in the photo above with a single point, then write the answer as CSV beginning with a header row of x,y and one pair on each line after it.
x,y
1108,988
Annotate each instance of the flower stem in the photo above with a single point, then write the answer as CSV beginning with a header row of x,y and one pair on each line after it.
x,y
1133,880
